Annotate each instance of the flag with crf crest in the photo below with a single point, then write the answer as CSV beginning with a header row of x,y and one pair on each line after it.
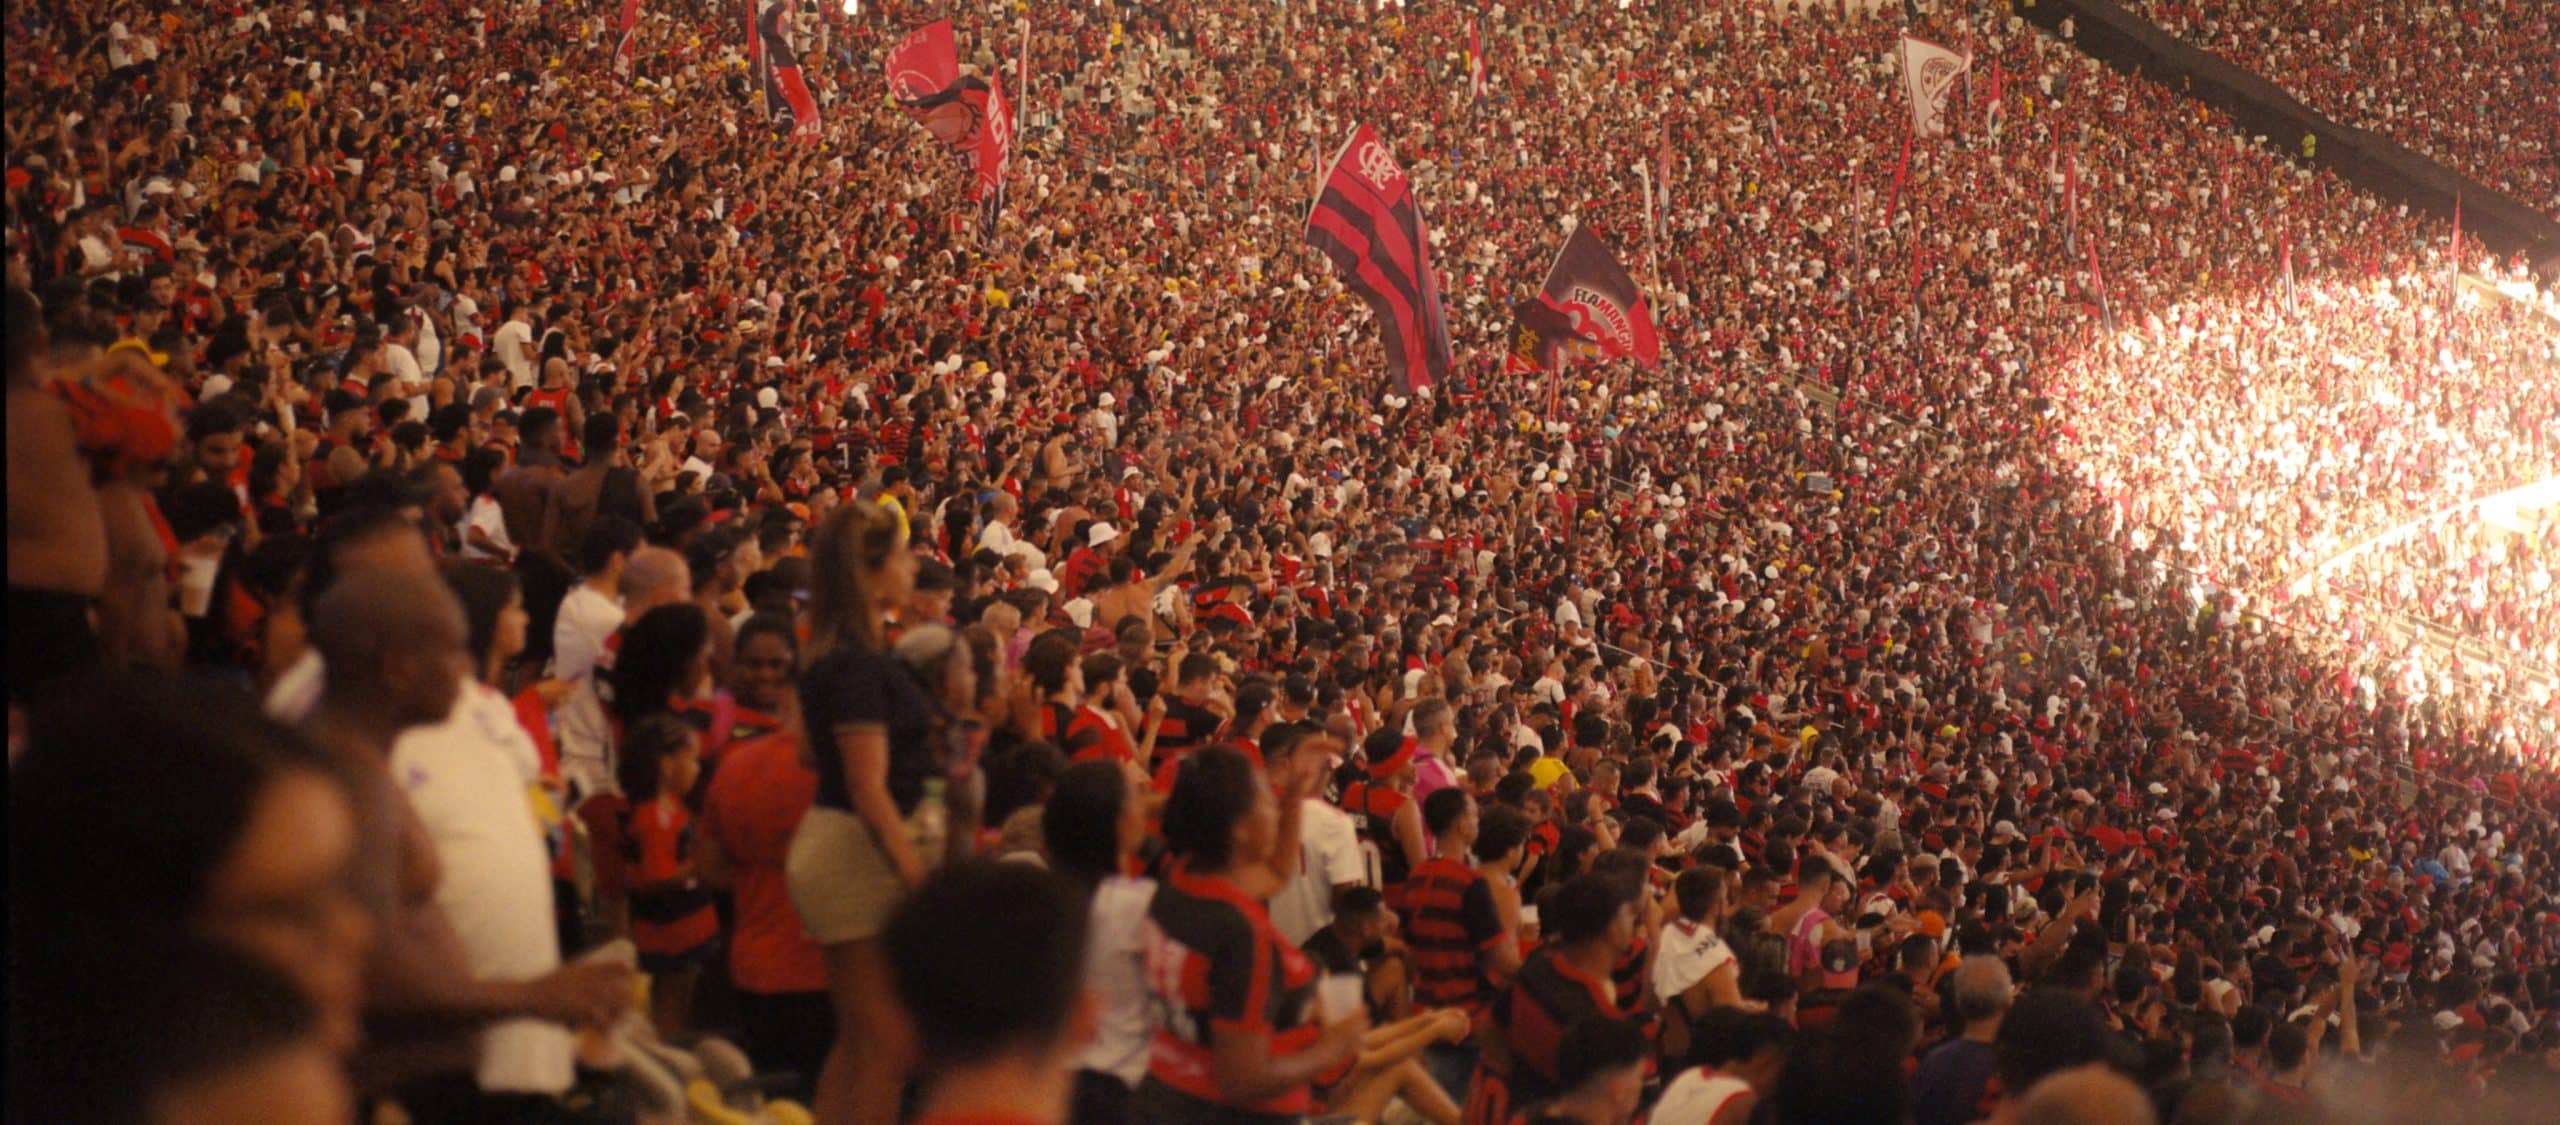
x,y
968,114
1588,298
1929,71
1366,220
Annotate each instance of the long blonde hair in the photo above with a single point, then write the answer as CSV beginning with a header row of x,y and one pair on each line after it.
x,y
849,548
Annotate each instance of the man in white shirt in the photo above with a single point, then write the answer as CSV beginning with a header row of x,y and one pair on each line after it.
x,y
998,535
1328,845
467,779
653,576
513,345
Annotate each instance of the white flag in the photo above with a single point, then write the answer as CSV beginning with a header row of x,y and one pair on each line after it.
x,y
1928,72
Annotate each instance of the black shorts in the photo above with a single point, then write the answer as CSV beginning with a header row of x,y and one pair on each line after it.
x,y
51,638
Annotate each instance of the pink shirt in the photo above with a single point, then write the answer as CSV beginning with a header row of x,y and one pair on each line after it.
x,y
1431,774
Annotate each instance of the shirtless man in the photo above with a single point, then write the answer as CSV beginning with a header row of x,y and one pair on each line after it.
x,y
1133,594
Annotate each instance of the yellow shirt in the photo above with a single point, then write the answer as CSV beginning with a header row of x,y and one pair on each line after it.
x,y
1545,771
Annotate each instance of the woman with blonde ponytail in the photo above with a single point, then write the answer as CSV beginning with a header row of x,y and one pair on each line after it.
x,y
869,730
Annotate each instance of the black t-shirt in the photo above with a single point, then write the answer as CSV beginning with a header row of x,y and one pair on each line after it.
x,y
853,687
1325,948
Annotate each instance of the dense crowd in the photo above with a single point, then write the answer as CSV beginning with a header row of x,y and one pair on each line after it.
x,y
2417,73
485,532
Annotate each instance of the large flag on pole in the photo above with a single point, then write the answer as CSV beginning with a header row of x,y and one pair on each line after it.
x,y
966,113
626,39
2098,288
2292,301
786,92
1475,60
2071,201
2453,263
1928,72
1589,298
1366,220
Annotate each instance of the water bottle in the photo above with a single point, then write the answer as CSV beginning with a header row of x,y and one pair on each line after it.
x,y
931,824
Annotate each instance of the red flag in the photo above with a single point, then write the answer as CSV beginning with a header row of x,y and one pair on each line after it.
x,y
786,92
627,40
1367,222
2098,286
924,63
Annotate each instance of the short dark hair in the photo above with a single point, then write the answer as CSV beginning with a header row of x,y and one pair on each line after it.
x,y
1358,902
1595,1046
599,434
1442,810
987,957
2048,1029
1583,909
606,537
1498,830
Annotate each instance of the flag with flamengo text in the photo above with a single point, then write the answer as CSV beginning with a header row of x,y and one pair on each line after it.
x,y
967,114
626,39
1928,72
1590,297
1366,220
786,91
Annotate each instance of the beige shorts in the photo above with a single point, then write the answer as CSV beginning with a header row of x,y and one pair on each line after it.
x,y
841,882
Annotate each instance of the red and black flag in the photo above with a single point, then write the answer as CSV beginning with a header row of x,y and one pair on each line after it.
x,y
1540,336
786,91
968,114
1588,298
1366,220
626,39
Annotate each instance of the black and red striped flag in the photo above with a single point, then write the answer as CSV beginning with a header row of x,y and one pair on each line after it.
x,y
786,91
1366,220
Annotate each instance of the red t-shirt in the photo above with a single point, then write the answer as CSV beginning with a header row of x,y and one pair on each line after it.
x,y
755,803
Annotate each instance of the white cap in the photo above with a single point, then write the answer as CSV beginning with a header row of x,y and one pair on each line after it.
x,y
2003,830
1100,534
1042,580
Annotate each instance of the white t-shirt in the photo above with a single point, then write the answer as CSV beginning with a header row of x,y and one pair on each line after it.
x,y
1328,857
486,515
996,537
466,778
587,620
513,344
1115,972
430,347
1695,1096
1688,953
